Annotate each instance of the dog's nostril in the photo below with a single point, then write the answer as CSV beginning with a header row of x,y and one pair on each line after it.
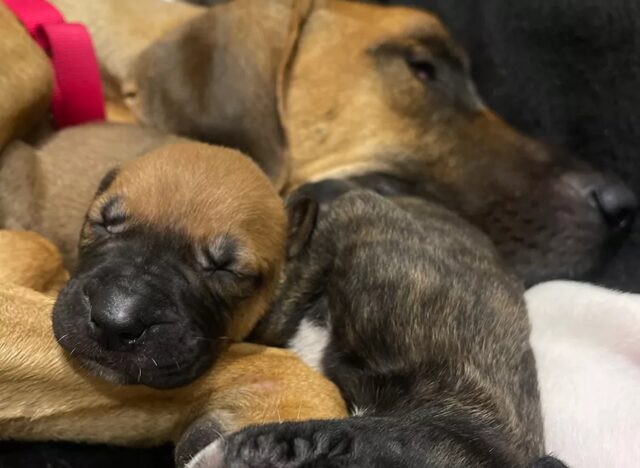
x,y
617,204
116,331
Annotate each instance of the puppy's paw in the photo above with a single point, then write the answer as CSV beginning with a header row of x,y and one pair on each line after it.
x,y
201,436
281,446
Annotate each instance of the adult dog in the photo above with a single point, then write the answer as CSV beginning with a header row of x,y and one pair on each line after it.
x,y
409,310
379,95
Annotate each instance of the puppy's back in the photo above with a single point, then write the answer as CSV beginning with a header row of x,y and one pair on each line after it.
x,y
56,180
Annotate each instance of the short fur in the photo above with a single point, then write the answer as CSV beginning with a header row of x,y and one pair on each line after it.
x,y
47,187
353,90
46,396
428,340
180,251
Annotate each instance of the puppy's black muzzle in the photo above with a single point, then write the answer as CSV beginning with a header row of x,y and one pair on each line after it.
x,y
135,312
121,314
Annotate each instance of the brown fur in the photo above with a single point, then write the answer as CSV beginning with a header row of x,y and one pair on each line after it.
x,y
25,79
177,187
47,187
45,396
339,88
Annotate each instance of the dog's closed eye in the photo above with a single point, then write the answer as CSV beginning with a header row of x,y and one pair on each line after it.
x,y
112,218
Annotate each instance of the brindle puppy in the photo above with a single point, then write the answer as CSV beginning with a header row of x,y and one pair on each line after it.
x,y
408,309
180,251
350,90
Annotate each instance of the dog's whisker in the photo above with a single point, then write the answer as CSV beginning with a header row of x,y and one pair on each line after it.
x,y
177,363
154,362
139,373
72,351
59,340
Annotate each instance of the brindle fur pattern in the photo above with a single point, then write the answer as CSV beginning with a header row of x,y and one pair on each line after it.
x,y
428,335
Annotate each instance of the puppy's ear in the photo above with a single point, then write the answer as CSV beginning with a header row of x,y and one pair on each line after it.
x,y
548,462
302,212
222,78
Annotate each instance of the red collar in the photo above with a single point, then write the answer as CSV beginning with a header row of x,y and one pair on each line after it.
x,y
77,93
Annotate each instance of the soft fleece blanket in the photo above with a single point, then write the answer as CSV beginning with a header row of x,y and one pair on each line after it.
x,y
587,344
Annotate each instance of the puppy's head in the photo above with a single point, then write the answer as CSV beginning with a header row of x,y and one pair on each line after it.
x,y
180,251
354,90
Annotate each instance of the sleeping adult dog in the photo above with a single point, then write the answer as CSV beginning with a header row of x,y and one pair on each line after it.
x,y
378,95
409,310
566,72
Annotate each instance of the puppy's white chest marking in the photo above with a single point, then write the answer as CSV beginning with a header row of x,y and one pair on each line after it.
x,y
310,343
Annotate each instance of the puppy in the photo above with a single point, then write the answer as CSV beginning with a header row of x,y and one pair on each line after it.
x,y
180,252
47,186
586,344
408,309
381,96
45,396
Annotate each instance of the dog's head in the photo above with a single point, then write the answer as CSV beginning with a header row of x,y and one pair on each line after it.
x,y
356,90
180,252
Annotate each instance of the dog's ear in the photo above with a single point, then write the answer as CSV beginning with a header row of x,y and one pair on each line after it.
x,y
548,462
302,212
222,78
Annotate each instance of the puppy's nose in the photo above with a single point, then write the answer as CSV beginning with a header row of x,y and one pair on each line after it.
x,y
617,204
116,317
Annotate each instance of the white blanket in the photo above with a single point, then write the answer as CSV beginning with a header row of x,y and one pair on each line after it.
x,y
587,344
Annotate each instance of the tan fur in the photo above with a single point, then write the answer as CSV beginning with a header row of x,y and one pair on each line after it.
x,y
45,396
47,188
25,79
118,43
220,191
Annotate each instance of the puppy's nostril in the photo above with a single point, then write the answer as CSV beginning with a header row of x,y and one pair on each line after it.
x,y
617,204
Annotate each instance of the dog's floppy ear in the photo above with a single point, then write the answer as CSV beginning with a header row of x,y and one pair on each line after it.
x,y
222,78
302,212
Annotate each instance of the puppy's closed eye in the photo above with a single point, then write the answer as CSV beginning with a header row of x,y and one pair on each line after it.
x,y
112,218
222,261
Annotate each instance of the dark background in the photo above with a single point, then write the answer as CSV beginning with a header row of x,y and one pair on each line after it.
x,y
566,72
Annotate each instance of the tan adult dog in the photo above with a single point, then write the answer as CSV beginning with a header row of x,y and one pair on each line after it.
x,y
45,396
382,96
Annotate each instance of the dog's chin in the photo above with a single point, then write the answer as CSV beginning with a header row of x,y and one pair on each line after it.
x,y
154,378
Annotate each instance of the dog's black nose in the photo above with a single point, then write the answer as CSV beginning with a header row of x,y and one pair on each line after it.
x,y
116,317
617,204
606,197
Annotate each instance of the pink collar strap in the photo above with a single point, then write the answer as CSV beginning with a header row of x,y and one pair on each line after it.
x,y
77,94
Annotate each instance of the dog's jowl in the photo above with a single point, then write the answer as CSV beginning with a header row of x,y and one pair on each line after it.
x,y
421,327
179,254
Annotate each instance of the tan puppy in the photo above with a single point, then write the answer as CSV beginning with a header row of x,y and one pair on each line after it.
x,y
180,251
44,396
382,96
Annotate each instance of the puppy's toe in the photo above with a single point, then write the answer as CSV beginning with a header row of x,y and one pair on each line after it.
x,y
288,446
